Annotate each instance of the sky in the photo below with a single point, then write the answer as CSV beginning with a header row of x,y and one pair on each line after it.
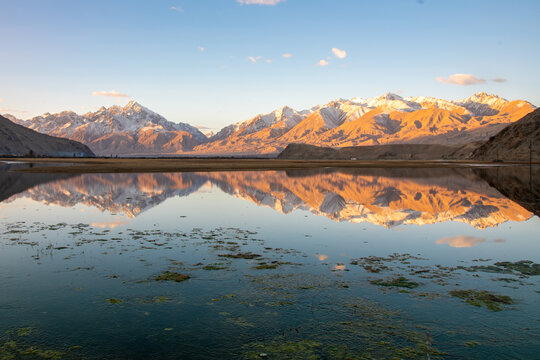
x,y
211,63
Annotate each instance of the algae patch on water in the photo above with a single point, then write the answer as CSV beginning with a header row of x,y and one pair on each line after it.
x,y
115,301
397,282
172,276
480,298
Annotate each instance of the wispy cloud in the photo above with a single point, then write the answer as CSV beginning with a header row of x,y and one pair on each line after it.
x,y
322,63
287,56
500,80
461,79
201,49
260,2
258,59
177,8
1,100
340,54
111,93
5,110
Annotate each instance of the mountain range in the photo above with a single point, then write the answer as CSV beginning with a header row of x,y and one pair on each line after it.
x,y
387,119
129,130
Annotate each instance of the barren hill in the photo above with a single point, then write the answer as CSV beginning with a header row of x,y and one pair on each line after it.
x,y
17,140
518,142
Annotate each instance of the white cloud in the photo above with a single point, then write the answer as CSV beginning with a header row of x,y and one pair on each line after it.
x,y
461,79
1,100
322,63
256,59
287,56
340,54
259,2
111,93
201,49
177,8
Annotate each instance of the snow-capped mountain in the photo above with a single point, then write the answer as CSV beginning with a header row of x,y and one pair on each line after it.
x,y
385,119
132,129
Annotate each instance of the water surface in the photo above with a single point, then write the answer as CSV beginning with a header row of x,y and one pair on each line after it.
x,y
282,264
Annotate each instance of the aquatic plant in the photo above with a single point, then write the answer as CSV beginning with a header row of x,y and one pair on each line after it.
x,y
480,298
115,301
397,282
172,276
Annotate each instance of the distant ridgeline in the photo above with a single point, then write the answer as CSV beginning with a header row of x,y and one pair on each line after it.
x,y
17,140
388,119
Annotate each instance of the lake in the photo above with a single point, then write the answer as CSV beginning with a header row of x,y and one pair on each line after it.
x,y
302,264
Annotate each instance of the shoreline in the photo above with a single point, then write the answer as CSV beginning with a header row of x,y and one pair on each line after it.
x,y
153,165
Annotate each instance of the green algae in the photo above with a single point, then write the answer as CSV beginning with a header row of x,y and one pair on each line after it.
x,y
115,301
246,255
484,298
396,282
214,267
172,276
524,267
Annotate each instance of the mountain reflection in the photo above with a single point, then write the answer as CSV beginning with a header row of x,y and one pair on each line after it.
x,y
387,197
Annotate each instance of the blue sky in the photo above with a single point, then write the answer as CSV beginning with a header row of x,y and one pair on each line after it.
x,y
214,62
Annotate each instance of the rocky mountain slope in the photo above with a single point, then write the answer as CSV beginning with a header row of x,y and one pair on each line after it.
x,y
376,152
17,140
128,130
388,119
518,141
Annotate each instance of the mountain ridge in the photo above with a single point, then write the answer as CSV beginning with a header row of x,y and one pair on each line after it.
x,y
386,119
126,130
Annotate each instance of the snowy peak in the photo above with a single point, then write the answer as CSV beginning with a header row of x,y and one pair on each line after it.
x,y
131,129
384,119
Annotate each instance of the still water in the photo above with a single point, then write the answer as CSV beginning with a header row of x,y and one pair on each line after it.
x,y
329,264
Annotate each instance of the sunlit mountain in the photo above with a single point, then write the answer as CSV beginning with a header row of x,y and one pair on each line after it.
x,y
387,119
132,129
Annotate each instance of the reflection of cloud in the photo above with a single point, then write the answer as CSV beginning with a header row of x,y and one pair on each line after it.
x,y
461,241
110,224
499,241
339,267
321,257
461,79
